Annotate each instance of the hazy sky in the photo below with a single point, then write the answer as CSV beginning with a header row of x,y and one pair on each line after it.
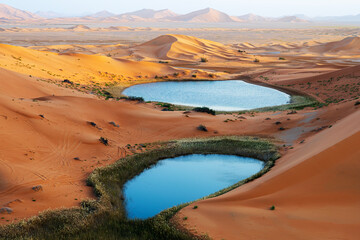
x,y
233,7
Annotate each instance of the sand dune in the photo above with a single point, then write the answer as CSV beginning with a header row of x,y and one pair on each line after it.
x,y
315,190
76,67
181,47
349,45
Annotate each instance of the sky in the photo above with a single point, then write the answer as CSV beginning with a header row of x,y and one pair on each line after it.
x,y
271,8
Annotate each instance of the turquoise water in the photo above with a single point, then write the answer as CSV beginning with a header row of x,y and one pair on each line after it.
x,y
183,179
234,95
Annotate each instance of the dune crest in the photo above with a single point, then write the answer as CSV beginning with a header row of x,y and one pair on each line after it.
x,y
182,47
350,45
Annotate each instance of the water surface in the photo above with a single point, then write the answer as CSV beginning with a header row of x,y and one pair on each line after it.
x,y
234,95
183,179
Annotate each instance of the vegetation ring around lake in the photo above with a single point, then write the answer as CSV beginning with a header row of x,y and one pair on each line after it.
x,y
105,218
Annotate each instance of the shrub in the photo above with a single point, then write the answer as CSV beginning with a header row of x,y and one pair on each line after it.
x,y
133,98
281,58
92,124
204,109
357,103
256,60
68,81
202,128
114,124
104,141
272,208
203,59
194,76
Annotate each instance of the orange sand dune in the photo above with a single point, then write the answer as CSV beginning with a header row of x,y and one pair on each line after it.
x,y
181,47
315,189
117,50
76,67
352,72
349,45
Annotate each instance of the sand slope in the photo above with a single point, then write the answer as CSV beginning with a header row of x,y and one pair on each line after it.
x,y
181,47
314,188
349,45
76,67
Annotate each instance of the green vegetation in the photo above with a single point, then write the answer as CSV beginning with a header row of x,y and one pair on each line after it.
x,y
133,98
296,103
272,208
204,110
105,218
204,59
256,60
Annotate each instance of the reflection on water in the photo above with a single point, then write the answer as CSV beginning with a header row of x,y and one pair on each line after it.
x,y
183,179
232,95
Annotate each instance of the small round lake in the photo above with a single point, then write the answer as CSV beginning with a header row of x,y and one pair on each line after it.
x,y
232,95
183,179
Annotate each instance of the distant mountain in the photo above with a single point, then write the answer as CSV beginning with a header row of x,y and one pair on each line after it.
x,y
256,18
303,16
291,19
205,15
208,15
252,18
148,14
348,18
8,13
102,14
50,14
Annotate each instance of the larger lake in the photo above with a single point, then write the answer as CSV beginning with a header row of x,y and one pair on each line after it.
x,y
233,95
183,179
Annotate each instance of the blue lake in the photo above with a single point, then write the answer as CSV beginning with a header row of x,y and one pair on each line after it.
x,y
233,95
183,179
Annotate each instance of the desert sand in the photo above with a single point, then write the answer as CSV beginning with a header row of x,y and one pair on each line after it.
x,y
46,139
314,188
